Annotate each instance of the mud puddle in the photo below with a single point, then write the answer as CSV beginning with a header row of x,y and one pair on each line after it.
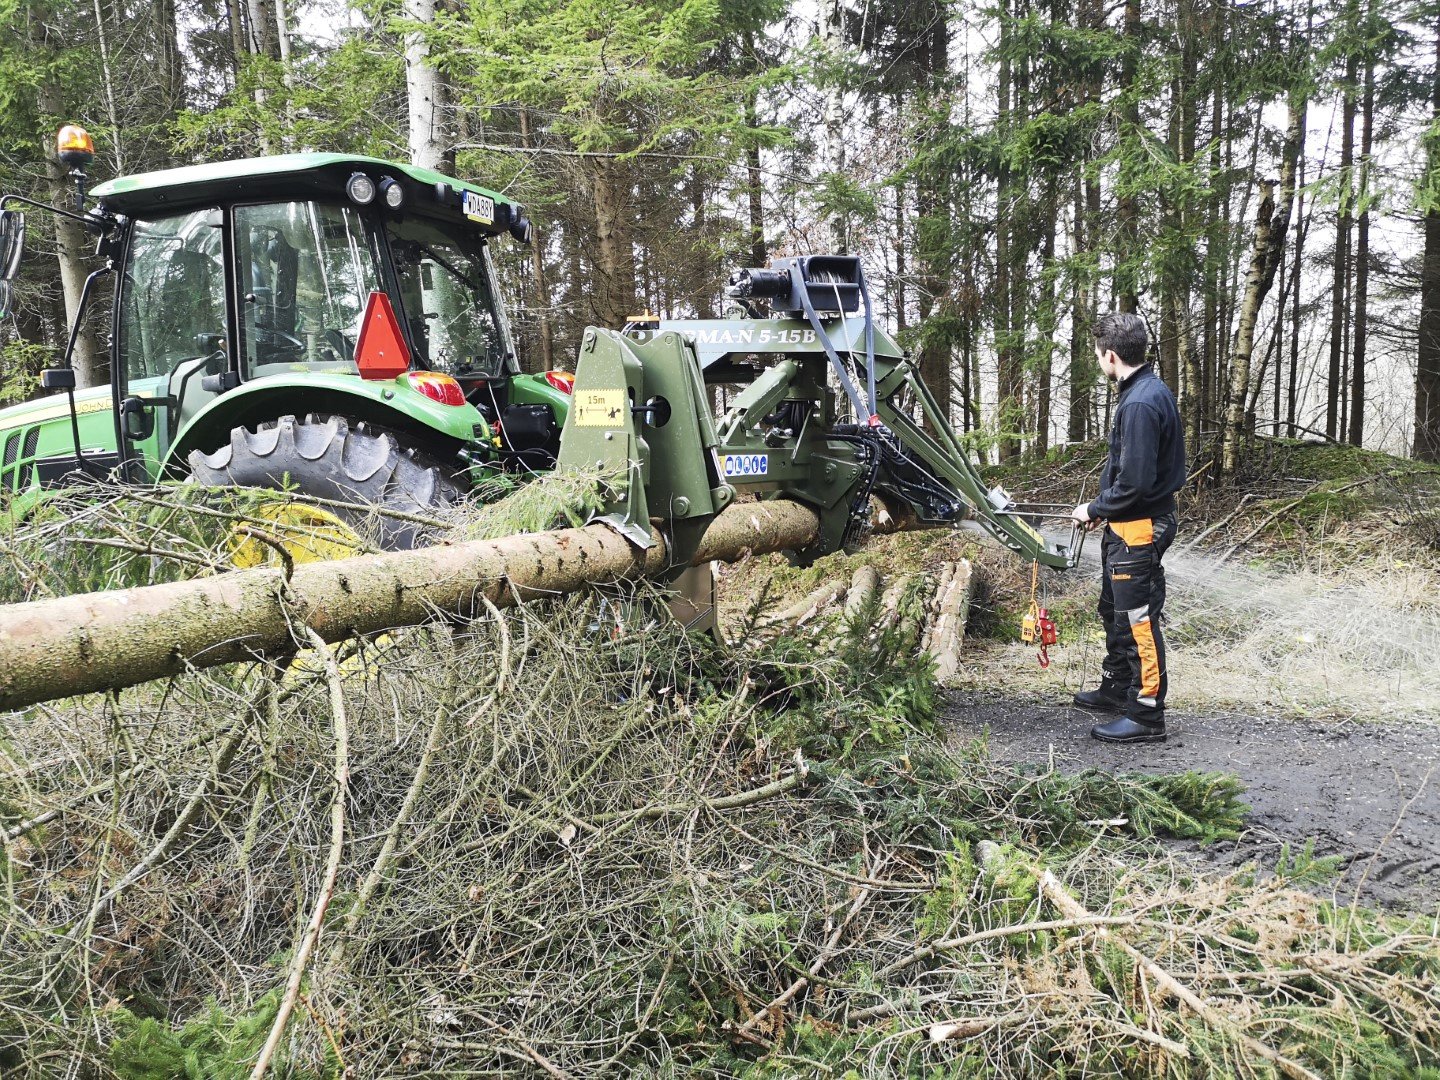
x,y
1366,792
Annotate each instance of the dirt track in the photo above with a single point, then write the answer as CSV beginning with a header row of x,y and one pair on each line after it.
x,y
1368,792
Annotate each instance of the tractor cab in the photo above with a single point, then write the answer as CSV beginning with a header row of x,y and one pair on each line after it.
x,y
241,272
311,287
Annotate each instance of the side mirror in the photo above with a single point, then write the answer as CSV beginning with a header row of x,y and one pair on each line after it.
x,y
12,243
139,419
5,298
57,378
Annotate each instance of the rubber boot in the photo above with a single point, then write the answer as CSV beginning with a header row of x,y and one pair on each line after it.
x,y
1125,730
1108,698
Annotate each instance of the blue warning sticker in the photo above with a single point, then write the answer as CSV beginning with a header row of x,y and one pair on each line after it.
x,y
742,465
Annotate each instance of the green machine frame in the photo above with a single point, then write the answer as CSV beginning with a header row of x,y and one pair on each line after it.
x,y
642,411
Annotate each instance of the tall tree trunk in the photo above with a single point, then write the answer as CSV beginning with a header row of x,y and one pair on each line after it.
x,y
1127,256
1277,342
545,330
172,65
1270,233
1234,434
1427,367
425,91
1339,294
1048,318
932,197
1008,418
73,247
900,299
1362,260
614,297
1302,230
1082,364
835,130
237,34
107,78
261,42
754,187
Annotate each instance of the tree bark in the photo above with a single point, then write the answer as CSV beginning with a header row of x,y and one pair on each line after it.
x,y
1127,258
1009,409
614,297
835,131
1362,260
537,264
1048,318
237,35
1249,312
754,187
109,640
425,91
932,199
1427,368
1340,289
1271,227
73,248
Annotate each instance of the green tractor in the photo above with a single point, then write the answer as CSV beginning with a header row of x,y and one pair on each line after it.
x,y
322,322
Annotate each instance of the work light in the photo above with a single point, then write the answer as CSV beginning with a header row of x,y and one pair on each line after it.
x,y
392,192
360,188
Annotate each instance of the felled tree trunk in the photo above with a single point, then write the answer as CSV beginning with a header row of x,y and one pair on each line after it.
x,y
109,640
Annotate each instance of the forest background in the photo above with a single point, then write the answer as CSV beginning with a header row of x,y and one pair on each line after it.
x,y
1260,180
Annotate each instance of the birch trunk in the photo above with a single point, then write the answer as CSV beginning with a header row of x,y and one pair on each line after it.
x,y
425,91
1271,229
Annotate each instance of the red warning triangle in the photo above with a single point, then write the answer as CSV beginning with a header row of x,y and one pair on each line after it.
x,y
381,352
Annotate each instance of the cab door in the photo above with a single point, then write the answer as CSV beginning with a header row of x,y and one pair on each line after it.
x,y
171,327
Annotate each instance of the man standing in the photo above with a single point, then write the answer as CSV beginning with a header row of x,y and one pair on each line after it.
x,y
1137,507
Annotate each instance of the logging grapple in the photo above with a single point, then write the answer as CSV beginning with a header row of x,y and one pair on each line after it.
x,y
330,324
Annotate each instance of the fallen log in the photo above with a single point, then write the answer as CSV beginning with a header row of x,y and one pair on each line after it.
x,y
110,640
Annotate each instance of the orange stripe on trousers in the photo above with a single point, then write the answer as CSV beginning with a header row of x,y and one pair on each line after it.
x,y
1149,659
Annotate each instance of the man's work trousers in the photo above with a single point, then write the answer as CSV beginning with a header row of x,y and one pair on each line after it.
x,y
1132,598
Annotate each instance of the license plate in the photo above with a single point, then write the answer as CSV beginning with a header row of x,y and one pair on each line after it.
x,y
477,207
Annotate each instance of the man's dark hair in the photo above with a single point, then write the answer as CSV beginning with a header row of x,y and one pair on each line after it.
x,y
1123,334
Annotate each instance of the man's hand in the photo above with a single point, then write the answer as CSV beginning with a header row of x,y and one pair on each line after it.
x,y
1081,516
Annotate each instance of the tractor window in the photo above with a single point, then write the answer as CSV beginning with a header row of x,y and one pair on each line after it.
x,y
173,294
306,272
445,290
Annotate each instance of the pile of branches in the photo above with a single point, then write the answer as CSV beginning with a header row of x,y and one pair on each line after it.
x,y
570,840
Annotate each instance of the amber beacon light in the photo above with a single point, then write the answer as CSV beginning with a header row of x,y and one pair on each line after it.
x,y
74,146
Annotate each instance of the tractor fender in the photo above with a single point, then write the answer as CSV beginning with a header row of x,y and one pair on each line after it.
x,y
395,406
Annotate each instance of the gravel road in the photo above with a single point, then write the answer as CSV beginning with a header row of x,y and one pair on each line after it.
x,y
1368,792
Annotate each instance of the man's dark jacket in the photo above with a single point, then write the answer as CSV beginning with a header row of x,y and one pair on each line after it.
x,y
1147,452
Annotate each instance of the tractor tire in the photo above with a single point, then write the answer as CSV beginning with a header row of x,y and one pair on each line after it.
x,y
328,457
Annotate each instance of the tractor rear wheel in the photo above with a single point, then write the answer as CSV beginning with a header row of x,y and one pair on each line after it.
x,y
329,457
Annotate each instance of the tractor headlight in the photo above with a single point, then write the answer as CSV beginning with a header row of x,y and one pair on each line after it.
x,y
360,188
392,192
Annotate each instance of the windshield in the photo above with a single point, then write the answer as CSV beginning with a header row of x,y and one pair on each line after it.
x,y
445,289
173,294
306,272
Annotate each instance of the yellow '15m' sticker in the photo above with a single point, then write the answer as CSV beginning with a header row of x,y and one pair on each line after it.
x,y
599,408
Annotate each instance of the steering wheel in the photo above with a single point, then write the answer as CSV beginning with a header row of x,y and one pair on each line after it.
x,y
269,340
